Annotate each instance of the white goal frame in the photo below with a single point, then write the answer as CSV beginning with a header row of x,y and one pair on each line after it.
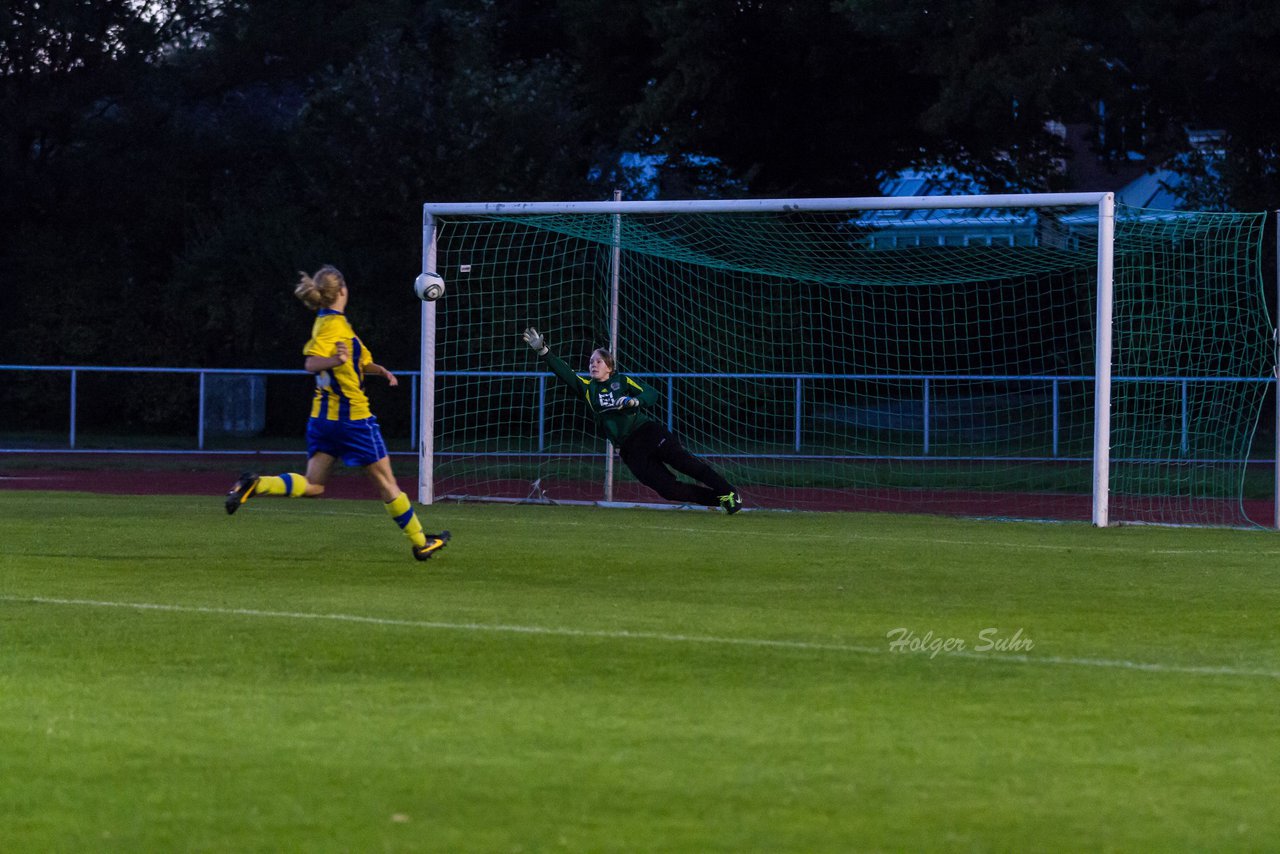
x,y
1103,202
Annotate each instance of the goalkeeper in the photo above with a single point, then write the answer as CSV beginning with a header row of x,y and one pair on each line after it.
x,y
620,405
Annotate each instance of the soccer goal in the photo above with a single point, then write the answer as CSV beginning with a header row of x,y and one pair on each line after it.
x,y
1051,356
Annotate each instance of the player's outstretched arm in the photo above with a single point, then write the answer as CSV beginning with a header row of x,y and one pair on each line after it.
x,y
378,370
538,343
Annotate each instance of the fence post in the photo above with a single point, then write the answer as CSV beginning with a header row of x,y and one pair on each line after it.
x,y
926,415
200,410
542,411
73,408
671,401
1185,445
413,413
799,403
1055,417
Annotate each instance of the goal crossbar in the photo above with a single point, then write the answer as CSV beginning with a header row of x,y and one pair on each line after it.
x,y
858,203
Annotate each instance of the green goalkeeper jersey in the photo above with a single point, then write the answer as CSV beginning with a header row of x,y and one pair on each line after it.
x,y
614,424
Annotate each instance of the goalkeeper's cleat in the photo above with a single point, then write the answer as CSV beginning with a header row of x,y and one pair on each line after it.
x,y
435,542
731,502
242,491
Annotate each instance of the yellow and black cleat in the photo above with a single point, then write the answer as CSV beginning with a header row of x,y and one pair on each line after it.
x,y
435,542
241,492
731,502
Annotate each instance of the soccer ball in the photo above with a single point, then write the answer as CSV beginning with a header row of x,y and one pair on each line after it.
x,y
429,286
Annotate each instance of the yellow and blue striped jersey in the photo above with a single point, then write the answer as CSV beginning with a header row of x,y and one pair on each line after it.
x,y
339,390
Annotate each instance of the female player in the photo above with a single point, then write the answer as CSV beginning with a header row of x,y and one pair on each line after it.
x,y
620,405
341,423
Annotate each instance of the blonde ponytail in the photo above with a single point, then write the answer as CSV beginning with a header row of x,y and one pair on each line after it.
x,y
320,290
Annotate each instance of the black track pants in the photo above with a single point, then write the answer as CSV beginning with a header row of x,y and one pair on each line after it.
x,y
651,448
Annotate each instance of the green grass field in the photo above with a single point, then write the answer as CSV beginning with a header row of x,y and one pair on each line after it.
x,y
581,679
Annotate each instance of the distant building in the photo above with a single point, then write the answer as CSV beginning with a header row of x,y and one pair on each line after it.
x,y
904,229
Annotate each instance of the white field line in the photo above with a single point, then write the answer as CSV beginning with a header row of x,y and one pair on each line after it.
x,y
624,635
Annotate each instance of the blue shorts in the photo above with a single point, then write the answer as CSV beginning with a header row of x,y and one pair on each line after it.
x,y
356,443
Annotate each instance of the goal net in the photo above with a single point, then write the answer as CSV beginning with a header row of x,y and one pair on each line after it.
x,y
1040,356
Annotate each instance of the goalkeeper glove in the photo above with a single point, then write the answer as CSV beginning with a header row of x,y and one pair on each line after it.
x,y
625,403
536,340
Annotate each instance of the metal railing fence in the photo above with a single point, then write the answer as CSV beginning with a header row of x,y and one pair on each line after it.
x,y
797,384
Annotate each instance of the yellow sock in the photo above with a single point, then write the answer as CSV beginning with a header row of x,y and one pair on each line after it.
x,y
292,485
401,511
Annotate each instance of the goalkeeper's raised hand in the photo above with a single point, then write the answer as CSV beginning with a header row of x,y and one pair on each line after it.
x,y
536,340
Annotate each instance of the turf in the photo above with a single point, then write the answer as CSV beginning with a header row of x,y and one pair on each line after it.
x,y
584,679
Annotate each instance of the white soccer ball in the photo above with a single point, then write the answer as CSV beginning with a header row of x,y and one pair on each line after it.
x,y
429,286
